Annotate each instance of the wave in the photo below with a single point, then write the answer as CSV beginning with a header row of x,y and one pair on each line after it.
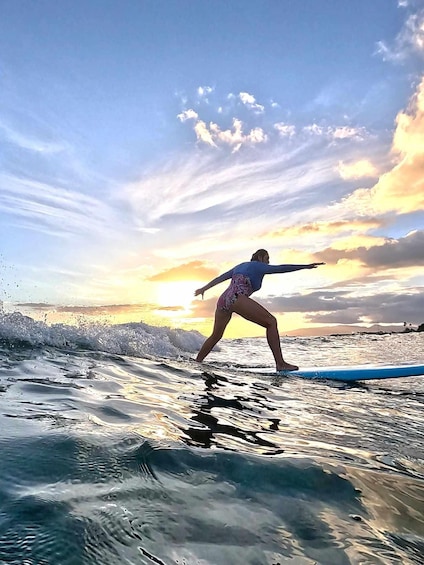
x,y
136,338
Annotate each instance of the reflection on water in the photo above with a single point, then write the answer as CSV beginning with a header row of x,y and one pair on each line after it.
x,y
109,459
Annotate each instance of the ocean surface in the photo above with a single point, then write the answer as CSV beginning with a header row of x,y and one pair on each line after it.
x,y
117,448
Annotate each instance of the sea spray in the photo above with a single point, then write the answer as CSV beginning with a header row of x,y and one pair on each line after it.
x,y
137,339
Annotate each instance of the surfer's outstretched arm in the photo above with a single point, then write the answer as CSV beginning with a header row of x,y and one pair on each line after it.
x,y
213,282
269,269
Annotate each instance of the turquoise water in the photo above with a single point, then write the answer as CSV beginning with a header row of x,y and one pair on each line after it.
x,y
117,448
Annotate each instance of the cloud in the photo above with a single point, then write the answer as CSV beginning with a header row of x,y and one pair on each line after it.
x,y
329,306
346,132
318,301
409,41
243,132
388,308
215,192
250,102
203,93
203,134
108,309
408,139
212,135
235,136
203,308
188,115
336,227
285,130
209,191
30,143
357,170
402,188
170,309
336,132
50,209
148,230
195,270
344,307
399,253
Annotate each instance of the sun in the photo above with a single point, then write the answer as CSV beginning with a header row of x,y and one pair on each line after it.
x,y
176,294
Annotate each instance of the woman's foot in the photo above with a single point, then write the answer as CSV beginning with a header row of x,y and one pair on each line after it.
x,y
287,367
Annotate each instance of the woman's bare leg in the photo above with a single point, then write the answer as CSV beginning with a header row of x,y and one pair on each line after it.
x,y
254,312
221,320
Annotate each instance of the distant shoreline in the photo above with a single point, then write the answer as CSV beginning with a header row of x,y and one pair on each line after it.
x,y
348,330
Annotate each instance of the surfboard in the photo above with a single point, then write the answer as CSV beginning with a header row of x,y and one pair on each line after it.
x,y
358,372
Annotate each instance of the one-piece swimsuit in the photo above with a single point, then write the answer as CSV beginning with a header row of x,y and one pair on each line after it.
x,y
240,284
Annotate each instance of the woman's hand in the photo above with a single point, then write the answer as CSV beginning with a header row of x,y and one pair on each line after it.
x,y
314,265
199,291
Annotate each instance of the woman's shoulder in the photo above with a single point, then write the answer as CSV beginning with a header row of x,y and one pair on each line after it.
x,y
242,266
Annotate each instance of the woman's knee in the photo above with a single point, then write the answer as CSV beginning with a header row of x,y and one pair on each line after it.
x,y
271,322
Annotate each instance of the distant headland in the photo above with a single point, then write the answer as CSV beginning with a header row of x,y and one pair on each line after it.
x,y
342,329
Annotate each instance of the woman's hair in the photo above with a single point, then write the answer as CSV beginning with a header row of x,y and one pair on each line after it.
x,y
259,254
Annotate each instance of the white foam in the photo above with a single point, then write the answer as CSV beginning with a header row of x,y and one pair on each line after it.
x,y
137,339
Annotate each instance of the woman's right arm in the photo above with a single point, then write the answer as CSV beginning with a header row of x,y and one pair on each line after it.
x,y
215,281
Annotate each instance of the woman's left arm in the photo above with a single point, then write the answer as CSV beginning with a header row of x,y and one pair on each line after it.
x,y
290,268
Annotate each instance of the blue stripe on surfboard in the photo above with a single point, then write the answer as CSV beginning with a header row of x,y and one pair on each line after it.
x,y
358,373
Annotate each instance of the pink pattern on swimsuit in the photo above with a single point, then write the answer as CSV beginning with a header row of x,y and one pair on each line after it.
x,y
240,284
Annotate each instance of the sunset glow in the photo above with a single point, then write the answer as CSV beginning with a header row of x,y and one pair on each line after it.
x,y
134,171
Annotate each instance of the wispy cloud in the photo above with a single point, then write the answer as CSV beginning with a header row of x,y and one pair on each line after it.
x,y
28,142
206,187
285,130
409,41
50,209
337,227
203,93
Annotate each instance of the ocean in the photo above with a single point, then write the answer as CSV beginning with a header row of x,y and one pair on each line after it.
x,y
117,448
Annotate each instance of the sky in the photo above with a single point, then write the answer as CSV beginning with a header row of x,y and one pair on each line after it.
x,y
147,146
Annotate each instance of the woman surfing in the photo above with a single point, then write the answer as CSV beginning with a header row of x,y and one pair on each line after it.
x,y
246,278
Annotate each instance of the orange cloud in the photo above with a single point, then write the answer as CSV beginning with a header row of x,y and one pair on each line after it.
x,y
203,308
193,271
402,188
109,309
105,310
170,308
334,227
409,135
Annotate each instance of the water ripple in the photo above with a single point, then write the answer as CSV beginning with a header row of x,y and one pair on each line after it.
x,y
108,459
